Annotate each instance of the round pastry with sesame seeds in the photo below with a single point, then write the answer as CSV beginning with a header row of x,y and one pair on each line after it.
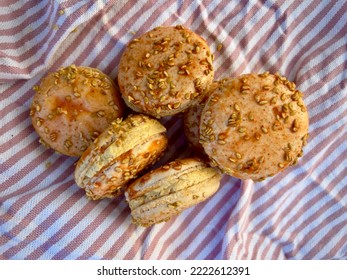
x,y
168,190
72,106
254,126
118,154
165,70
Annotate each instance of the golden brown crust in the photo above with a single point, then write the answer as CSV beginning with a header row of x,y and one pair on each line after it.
x,y
165,70
254,126
72,106
191,122
168,190
123,150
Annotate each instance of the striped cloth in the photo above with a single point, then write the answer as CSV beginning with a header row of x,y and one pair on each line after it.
x,y
298,214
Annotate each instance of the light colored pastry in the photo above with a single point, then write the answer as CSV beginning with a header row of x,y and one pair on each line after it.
x,y
119,153
168,190
254,126
72,106
165,70
191,122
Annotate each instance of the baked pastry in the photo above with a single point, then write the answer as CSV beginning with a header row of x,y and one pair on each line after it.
x,y
118,154
168,190
165,70
191,122
72,106
254,126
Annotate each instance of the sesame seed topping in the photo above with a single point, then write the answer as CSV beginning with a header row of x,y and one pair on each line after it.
x,y
264,129
53,136
237,107
242,129
263,102
232,159
264,75
100,113
273,100
257,97
67,144
261,159
39,122
251,116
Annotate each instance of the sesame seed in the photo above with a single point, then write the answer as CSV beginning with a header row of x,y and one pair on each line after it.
x,y
95,82
162,98
262,102
177,105
100,113
238,155
67,144
219,47
264,129
251,116
287,156
53,136
273,100
139,74
36,88
241,129
237,107
232,159
295,123
261,159
264,75
39,122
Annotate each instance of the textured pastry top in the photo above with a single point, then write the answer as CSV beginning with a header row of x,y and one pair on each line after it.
x,y
254,126
72,106
165,70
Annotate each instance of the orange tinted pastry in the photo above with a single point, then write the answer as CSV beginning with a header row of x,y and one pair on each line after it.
x,y
72,106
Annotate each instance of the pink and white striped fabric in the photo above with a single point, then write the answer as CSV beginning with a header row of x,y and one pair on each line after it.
x,y
298,214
